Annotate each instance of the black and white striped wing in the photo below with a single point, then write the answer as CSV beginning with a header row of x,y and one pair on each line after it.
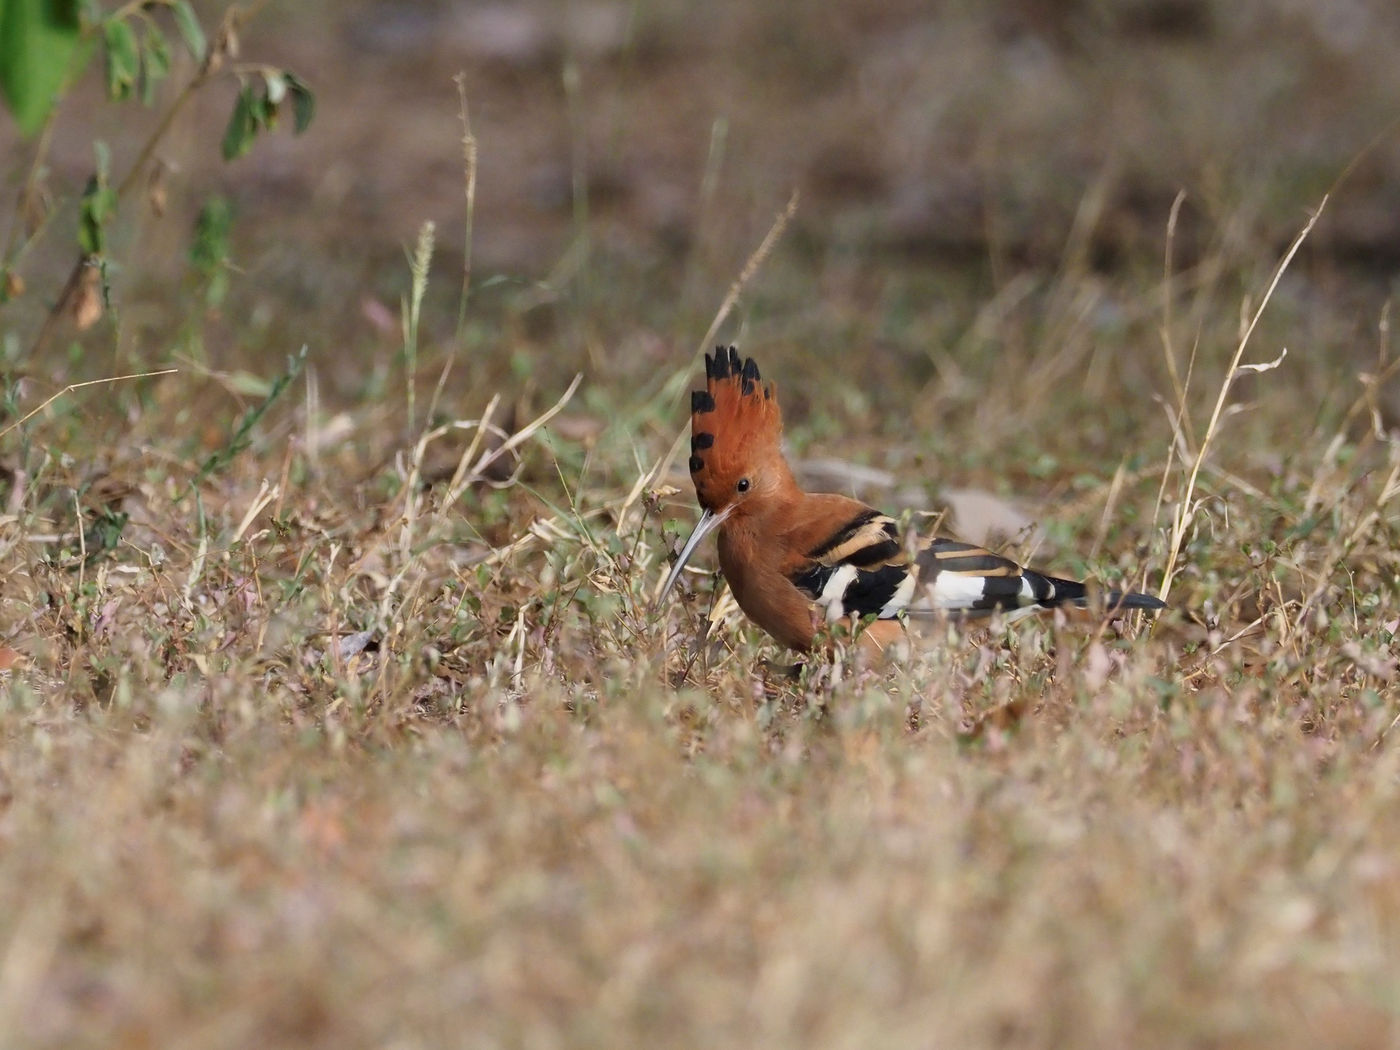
x,y
863,571
960,578
860,571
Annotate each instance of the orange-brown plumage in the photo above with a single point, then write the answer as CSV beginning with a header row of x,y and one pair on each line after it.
x,y
796,559
735,427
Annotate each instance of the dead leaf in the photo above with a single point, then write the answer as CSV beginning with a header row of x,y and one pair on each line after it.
x,y
86,303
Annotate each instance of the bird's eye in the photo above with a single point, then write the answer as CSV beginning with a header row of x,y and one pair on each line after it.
x,y
743,485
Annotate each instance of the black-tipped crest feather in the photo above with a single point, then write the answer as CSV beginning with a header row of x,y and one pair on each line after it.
x,y
730,423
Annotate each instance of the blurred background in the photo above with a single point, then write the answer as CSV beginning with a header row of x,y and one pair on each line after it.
x,y
985,189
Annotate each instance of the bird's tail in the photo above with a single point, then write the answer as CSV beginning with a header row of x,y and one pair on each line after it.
x,y
966,580
1051,591
1114,601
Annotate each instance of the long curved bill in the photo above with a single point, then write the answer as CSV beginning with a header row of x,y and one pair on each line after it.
x,y
709,521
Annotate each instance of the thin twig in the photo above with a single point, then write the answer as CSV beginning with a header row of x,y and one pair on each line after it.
x,y
1181,519
78,386
519,437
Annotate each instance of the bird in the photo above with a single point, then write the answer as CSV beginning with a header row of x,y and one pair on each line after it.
x,y
799,561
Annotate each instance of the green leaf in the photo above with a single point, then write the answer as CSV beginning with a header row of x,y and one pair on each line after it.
x,y
155,63
38,39
303,103
209,249
242,124
264,111
98,205
258,107
241,438
123,59
190,30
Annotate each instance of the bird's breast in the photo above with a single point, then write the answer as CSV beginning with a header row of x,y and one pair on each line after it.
x,y
763,591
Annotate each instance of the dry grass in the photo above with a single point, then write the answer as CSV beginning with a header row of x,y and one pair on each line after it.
x,y
367,734
332,758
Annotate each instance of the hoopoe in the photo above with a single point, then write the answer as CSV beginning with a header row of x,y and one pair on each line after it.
x,y
796,559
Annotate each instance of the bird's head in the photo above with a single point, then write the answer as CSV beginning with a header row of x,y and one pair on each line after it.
x,y
736,459
735,430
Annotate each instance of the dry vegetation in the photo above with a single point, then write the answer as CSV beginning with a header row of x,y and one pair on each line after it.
x,y
367,734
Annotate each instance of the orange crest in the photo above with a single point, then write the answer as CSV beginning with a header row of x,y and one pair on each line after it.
x,y
735,424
